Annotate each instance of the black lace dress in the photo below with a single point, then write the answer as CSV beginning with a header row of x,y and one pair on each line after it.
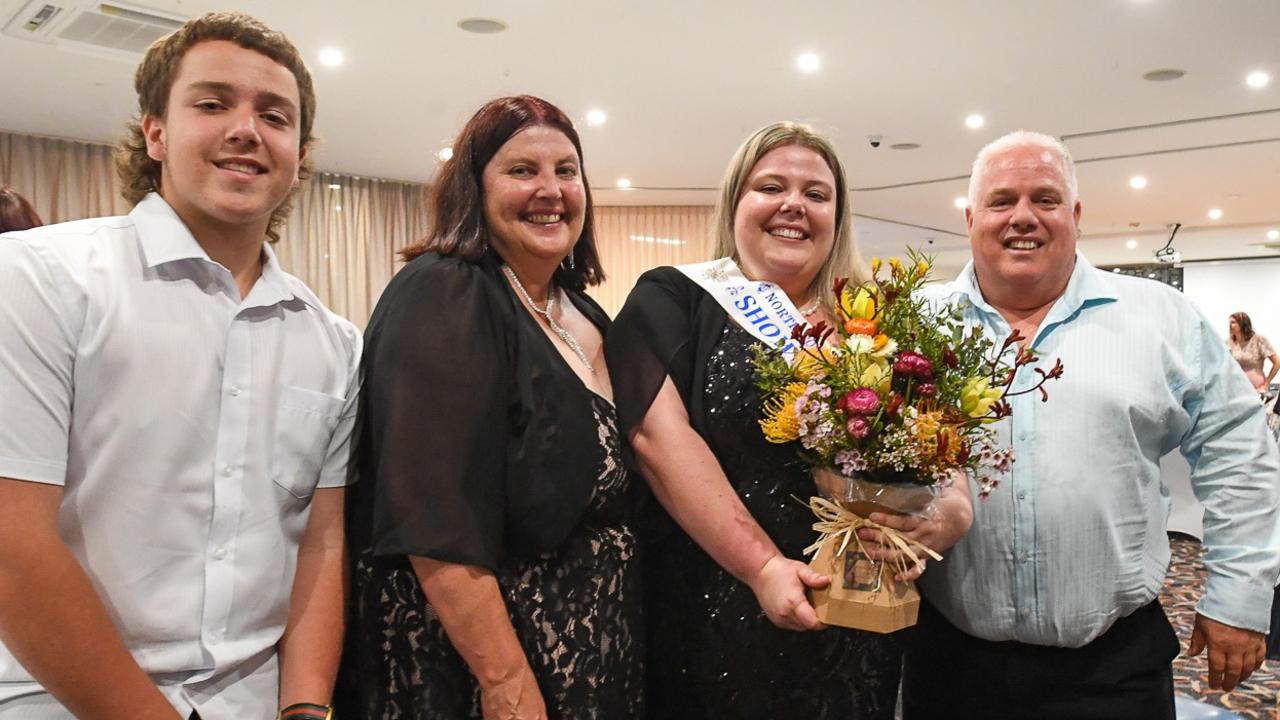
x,y
712,651
518,470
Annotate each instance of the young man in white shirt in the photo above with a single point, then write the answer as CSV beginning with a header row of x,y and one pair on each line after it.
x,y
177,413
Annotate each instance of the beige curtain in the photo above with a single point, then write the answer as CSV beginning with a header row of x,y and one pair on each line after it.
x,y
344,231
340,240
634,239
343,236
63,179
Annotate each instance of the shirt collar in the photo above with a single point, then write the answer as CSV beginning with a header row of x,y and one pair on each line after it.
x,y
164,238
1087,284
162,234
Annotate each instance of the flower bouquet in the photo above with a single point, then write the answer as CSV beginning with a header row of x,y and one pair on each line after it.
x,y
887,404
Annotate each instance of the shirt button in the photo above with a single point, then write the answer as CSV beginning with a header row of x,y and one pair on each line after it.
x,y
235,391
1022,436
1022,494
229,470
220,553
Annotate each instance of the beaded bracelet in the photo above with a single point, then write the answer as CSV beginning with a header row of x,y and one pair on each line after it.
x,y
307,711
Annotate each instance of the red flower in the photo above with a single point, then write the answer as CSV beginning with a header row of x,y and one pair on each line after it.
x,y
858,427
862,401
927,389
913,364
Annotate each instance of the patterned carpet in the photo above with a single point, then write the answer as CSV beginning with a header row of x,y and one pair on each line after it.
x,y
1259,696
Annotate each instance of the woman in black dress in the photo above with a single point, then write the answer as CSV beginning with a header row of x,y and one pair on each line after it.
x,y
731,632
493,559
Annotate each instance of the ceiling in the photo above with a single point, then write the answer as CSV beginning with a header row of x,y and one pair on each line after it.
x,y
683,82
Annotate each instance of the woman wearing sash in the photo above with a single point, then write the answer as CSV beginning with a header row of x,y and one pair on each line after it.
x,y
730,630
493,574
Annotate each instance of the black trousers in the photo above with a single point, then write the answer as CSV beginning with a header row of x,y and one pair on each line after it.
x,y
1125,673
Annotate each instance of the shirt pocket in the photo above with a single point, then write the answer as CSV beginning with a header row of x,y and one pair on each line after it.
x,y
304,425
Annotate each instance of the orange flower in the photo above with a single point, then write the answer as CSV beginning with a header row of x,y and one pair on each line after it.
x,y
860,326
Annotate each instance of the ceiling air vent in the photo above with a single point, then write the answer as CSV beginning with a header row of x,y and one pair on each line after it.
x,y
112,29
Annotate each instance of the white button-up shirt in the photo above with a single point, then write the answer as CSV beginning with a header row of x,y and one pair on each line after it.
x,y
189,429
1074,537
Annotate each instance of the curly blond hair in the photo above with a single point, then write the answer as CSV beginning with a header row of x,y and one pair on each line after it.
x,y
139,173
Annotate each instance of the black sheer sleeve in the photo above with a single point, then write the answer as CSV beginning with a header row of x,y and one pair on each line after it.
x,y
438,369
650,340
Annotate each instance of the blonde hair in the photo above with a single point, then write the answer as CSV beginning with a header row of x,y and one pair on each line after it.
x,y
139,173
844,260
1024,139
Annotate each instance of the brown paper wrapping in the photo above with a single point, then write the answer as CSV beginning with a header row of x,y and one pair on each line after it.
x,y
863,593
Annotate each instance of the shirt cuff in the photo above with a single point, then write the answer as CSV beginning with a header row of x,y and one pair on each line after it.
x,y
1237,603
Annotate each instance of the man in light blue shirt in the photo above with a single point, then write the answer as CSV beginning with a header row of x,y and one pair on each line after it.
x,y
1048,609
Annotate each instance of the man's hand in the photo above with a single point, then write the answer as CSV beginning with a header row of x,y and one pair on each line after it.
x,y
1234,653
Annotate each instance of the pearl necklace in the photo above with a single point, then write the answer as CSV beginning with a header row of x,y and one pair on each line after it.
x,y
811,306
549,313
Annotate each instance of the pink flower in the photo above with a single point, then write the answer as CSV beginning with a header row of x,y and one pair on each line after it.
x,y
927,389
858,427
913,364
863,401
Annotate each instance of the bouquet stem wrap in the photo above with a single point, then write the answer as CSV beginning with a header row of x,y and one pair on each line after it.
x,y
864,593
837,524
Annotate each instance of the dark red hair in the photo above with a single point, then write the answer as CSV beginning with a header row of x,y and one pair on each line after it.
x,y
16,213
455,202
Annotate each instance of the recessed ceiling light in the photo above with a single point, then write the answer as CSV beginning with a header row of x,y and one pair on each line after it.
x,y
445,154
482,26
1131,243
335,186
961,202
1273,234
808,62
1163,74
596,118
1257,79
903,146
1137,182
337,208
331,57
975,121
624,184
1215,214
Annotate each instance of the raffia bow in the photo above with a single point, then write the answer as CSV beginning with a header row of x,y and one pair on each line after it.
x,y
834,521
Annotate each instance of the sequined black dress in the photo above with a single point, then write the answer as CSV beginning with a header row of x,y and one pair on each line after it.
x,y
712,651
477,444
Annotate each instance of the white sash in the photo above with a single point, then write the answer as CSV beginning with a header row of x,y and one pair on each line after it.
x,y
761,308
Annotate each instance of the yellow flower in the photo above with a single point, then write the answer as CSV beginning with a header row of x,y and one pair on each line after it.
x,y
877,376
859,303
977,396
780,423
806,364
927,427
875,265
896,264
922,268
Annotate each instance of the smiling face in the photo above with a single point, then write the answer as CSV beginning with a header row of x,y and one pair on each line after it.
x,y
784,225
229,142
534,199
1023,228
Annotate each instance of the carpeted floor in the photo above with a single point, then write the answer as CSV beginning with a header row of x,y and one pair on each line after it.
x,y
1259,696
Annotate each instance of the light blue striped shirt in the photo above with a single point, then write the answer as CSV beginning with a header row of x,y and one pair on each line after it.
x,y
1074,536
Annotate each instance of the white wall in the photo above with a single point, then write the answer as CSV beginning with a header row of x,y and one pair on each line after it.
x,y
1222,288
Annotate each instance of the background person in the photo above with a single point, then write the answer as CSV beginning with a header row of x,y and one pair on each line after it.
x,y
1252,351
725,591
16,212
494,560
